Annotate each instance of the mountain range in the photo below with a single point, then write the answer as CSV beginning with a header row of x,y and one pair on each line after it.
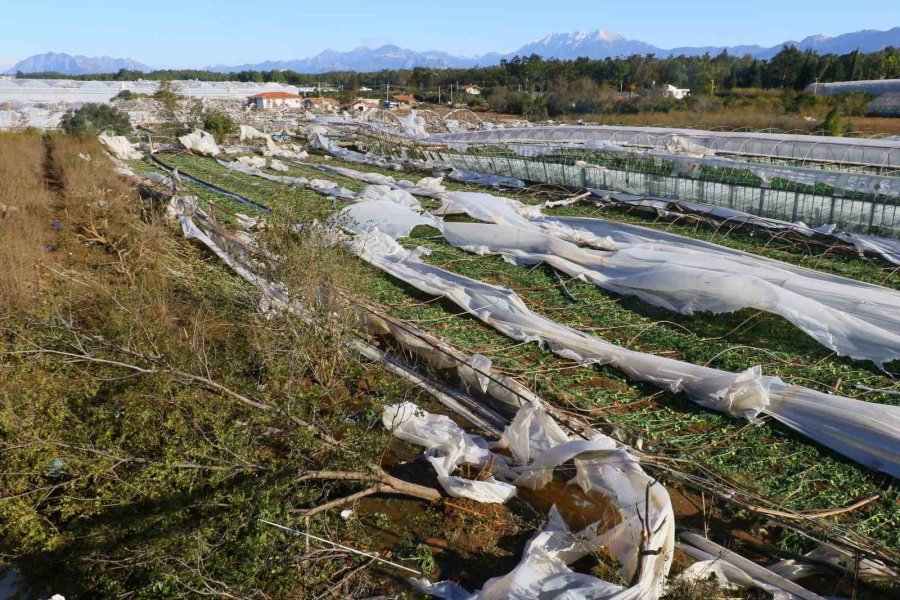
x,y
75,65
596,45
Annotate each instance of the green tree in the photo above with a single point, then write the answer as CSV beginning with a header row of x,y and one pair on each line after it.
x,y
91,119
219,124
167,96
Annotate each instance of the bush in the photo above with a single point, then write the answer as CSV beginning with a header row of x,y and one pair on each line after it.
x,y
219,124
834,124
91,119
125,95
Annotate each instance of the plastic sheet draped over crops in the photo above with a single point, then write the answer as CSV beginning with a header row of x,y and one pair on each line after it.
x,y
854,319
538,445
119,146
888,249
200,142
865,432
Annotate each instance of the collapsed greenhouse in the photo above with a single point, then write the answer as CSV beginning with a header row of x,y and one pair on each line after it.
x,y
851,184
631,321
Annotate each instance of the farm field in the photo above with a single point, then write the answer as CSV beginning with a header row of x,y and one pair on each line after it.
x,y
223,419
768,461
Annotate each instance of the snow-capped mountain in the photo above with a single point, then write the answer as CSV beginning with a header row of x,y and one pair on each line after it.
x,y
75,65
598,44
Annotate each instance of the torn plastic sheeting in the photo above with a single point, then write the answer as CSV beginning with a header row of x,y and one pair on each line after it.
x,y
873,303
812,563
601,467
685,282
183,208
251,133
888,249
413,125
683,275
320,141
384,192
388,217
448,448
429,187
485,179
854,319
257,162
729,577
277,165
200,142
710,552
865,432
120,147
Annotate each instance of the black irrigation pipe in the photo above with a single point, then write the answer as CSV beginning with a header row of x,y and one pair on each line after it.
x,y
211,187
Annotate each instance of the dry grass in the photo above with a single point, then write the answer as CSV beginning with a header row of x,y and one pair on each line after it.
x,y
25,218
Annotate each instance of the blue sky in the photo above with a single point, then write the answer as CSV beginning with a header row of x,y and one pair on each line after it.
x,y
193,33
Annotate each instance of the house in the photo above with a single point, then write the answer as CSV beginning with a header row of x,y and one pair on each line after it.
x,y
268,100
404,100
364,104
472,90
321,104
670,91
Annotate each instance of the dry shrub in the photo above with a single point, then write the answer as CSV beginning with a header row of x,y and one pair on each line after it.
x,y
104,211
25,218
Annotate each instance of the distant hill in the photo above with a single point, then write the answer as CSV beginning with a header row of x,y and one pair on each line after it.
x,y
596,45
75,65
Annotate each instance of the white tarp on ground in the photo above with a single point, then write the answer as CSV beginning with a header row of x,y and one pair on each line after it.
x,y
329,188
120,147
200,142
856,320
865,432
485,179
888,249
430,187
736,572
317,140
251,133
644,535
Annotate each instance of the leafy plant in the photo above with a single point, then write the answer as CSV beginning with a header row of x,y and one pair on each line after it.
x,y
92,119
219,124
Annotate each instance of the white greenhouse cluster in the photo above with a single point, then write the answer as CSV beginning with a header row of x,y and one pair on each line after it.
x,y
856,152
52,91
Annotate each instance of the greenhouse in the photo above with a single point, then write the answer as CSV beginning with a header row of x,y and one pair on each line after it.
x,y
872,154
53,91
662,163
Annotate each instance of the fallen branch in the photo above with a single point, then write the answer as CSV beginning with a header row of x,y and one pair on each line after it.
x,y
386,484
